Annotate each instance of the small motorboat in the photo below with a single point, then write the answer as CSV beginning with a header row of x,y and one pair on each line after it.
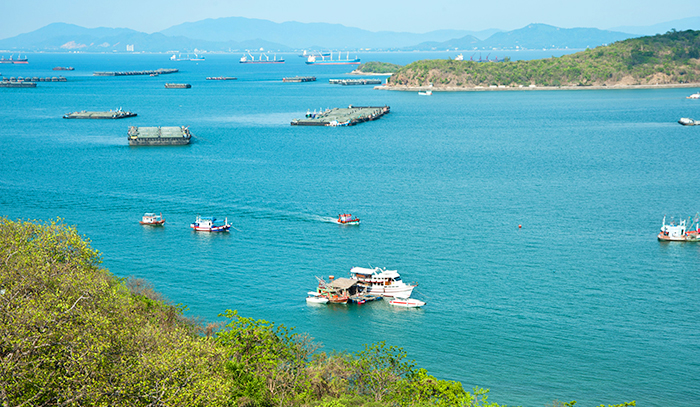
x,y
208,224
688,122
406,302
694,96
426,93
316,298
152,219
347,219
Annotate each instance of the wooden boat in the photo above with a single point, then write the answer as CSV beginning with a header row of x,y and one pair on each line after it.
x,y
347,219
152,219
208,224
406,302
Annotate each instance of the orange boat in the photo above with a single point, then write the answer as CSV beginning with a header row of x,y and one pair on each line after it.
x,y
152,219
347,219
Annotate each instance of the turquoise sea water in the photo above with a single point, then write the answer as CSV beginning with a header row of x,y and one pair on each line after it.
x,y
582,303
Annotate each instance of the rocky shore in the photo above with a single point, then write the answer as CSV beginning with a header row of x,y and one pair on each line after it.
x,y
529,88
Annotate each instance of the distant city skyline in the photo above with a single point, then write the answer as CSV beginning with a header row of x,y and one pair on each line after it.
x,y
390,15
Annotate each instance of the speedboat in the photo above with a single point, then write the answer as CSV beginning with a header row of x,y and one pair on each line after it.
x,y
152,219
406,302
688,122
678,232
316,298
383,282
347,219
208,224
426,93
694,96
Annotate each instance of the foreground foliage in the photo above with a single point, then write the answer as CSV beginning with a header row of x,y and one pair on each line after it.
x,y
662,59
72,334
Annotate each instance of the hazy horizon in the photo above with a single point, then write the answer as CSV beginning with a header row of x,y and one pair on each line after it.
x,y
392,15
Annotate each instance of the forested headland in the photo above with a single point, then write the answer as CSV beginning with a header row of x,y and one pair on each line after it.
x,y
73,334
664,59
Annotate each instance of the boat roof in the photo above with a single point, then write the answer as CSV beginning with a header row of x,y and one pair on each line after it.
x,y
375,271
342,283
149,214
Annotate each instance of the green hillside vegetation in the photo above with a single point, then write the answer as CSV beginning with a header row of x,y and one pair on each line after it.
x,y
671,58
378,67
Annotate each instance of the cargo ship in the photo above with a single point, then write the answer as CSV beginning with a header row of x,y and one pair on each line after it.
x,y
246,60
313,60
159,136
19,60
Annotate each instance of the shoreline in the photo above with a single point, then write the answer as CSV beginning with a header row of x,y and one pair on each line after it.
x,y
534,88
356,72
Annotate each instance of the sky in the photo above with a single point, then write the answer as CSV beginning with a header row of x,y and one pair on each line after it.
x,y
417,16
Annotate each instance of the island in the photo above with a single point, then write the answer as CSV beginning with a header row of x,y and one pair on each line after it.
x,y
376,68
664,60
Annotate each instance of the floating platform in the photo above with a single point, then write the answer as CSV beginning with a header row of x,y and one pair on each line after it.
x,y
112,114
36,79
342,116
130,73
221,78
355,81
15,84
300,79
177,86
159,136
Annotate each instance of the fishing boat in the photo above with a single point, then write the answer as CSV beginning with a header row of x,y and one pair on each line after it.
x,y
152,219
679,231
208,224
314,297
313,60
246,60
19,60
694,96
406,302
347,219
380,281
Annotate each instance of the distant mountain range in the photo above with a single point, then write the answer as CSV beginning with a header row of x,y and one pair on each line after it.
x,y
238,33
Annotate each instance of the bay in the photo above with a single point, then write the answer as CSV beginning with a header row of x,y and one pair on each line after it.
x,y
581,303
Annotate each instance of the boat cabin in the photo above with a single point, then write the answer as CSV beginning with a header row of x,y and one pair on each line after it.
x,y
375,276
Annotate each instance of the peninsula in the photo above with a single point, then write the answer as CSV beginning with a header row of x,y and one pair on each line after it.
x,y
671,59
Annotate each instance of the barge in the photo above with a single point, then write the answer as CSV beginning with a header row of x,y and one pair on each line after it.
x,y
299,79
154,72
355,81
221,78
112,114
15,84
342,116
64,68
177,86
159,136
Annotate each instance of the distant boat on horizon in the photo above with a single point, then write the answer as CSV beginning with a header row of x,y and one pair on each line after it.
x,y
186,57
19,60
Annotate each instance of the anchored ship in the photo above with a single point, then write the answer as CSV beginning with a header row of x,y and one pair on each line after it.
x,y
246,60
19,60
313,60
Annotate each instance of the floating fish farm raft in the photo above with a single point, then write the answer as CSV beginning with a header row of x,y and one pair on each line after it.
x,y
342,116
177,86
129,73
15,84
159,136
355,81
36,79
221,78
112,114
300,79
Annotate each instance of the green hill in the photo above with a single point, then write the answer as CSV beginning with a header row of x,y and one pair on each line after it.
x,y
671,58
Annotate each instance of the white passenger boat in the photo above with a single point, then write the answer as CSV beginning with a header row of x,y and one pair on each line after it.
x,y
377,281
679,232
208,224
314,297
406,302
694,96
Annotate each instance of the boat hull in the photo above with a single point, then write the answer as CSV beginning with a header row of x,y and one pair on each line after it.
x,y
391,291
350,222
158,223
224,228
406,303
690,237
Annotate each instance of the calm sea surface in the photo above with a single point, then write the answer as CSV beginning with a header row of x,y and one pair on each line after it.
x,y
582,303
